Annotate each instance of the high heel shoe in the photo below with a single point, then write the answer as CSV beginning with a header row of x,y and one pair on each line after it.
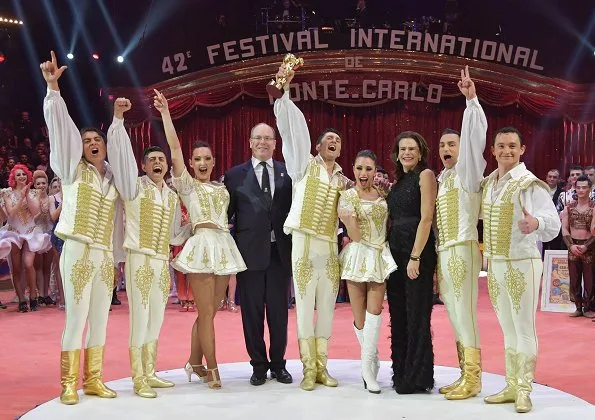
x,y
183,306
214,383
190,306
222,305
231,306
189,369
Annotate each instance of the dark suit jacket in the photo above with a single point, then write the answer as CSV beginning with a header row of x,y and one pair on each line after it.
x,y
557,194
253,220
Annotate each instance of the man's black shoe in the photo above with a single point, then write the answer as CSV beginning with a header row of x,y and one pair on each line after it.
x,y
282,375
258,379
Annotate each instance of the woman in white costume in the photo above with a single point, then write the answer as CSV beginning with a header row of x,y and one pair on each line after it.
x,y
20,231
210,256
366,261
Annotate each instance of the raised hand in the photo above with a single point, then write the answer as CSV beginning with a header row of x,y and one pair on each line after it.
x,y
466,85
528,223
121,105
288,74
51,72
160,102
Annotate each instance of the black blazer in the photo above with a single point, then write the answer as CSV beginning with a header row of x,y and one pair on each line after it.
x,y
253,220
557,194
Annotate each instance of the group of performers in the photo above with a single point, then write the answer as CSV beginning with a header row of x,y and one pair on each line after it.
x,y
286,218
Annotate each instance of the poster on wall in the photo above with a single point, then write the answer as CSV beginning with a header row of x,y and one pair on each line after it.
x,y
555,287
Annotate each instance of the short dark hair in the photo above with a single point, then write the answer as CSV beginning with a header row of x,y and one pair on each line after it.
x,y
450,131
201,143
588,168
509,130
574,167
150,149
366,153
381,170
328,130
584,178
96,130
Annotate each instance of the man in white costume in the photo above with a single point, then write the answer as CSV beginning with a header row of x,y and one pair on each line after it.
x,y
86,225
153,221
517,212
313,223
459,258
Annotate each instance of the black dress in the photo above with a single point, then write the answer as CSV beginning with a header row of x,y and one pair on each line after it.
x,y
410,301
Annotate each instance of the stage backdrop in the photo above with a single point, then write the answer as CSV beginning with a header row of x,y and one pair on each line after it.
x,y
371,97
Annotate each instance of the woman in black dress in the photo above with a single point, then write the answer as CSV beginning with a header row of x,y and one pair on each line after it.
x,y
411,204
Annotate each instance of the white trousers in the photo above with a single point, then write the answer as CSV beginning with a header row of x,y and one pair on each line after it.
x,y
147,288
316,275
88,276
514,292
458,273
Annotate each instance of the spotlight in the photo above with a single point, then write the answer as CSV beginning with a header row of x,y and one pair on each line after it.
x,y
2,57
20,22
120,59
70,56
95,56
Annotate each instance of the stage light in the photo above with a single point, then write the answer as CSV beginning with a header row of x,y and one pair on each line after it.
x,y
2,57
95,56
120,59
70,56
20,22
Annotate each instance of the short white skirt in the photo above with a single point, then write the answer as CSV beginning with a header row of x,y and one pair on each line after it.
x,y
36,241
210,251
363,263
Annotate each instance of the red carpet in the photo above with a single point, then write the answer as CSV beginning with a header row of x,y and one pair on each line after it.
x,y
29,361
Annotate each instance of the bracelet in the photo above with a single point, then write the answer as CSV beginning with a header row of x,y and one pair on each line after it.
x,y
414,257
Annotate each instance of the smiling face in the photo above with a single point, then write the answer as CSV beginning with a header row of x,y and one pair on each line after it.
x,y
364,171
409,153
55,186
155,166
448,148
508,150
329,147
262,142
582,189
20,177
40,183
202,162
94,148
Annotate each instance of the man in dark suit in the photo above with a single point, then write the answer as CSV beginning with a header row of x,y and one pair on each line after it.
x,y
260,198
556,187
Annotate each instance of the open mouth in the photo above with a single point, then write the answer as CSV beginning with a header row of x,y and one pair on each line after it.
x,y
332,148
363,180
202,171
157,170
447,157
94,151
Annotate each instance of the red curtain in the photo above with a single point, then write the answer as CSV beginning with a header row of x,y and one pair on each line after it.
x,y
551,143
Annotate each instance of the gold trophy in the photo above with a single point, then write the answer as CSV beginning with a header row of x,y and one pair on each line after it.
x,y
275,87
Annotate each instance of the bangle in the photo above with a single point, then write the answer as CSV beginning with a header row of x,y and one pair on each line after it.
x,y
414,257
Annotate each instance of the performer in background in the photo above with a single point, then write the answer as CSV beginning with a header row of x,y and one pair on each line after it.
x,y
517,212
577,219
260,198
87,225
312,222
366,261
210,255
153,221
411,203
459,258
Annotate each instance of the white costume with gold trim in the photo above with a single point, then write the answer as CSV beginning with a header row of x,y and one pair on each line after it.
x,y
457,213
89,210
209,250
514,262
312,222
368,260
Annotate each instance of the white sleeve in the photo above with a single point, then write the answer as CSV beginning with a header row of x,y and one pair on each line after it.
x,y
471,164
121,159
539,204
294,135
184,185
66,145
119,233
179,233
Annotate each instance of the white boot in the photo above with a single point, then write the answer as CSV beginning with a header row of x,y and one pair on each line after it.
x,y
370,351
360,339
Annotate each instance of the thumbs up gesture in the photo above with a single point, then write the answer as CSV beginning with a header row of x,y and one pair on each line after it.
x,y
528,223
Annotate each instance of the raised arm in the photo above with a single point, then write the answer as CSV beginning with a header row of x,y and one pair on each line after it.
x,y
428,188
55,211
294,133
120,154
471,164
66,146
177,157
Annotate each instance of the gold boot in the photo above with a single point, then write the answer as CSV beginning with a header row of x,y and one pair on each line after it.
x,y
460,353
69,376
470,386
139,380
508,394
92,384
149,358
308,357
525,374
322,375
